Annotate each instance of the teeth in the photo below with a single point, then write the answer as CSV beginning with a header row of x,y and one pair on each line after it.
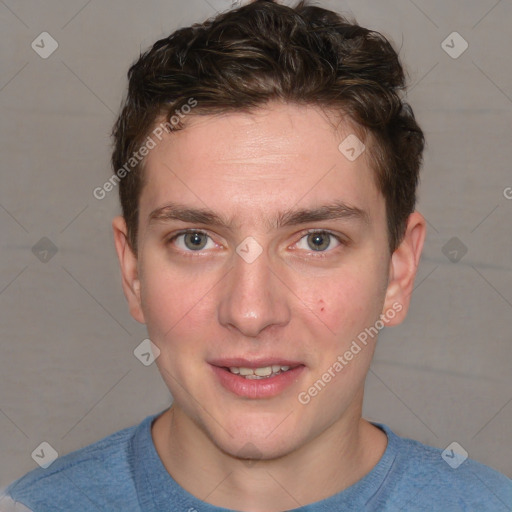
x,y
259,373
263,372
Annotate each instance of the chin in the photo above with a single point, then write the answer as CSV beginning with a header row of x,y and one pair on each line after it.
x,y
259,449
269,439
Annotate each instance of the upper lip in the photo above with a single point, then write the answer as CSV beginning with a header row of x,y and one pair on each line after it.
x,y
260,362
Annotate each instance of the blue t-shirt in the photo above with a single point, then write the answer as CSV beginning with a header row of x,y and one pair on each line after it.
x,y
123,472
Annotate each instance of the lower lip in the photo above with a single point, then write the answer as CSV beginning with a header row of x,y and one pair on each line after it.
x,y
257,388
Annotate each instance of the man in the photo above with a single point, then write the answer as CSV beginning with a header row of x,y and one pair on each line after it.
x,y
267,168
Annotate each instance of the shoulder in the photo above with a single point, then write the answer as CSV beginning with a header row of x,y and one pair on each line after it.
x,y
446,480
89,477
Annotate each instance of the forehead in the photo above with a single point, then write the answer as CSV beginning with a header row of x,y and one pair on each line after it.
x,y
254,164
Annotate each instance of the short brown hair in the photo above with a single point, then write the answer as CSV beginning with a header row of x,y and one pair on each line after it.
x,y
244,58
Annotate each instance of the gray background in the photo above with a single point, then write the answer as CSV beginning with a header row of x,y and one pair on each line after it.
x,y
68,372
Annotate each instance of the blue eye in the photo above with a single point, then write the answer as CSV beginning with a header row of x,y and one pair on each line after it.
x,y
319,241
191,240
198,241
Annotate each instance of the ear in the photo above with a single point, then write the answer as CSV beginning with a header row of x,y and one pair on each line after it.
x,y
402,269
129,268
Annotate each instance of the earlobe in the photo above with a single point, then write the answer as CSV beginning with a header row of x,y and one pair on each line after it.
x,y
403,266
129,269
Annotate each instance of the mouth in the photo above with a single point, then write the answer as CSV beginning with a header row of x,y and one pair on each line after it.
x,y
258,378
263,372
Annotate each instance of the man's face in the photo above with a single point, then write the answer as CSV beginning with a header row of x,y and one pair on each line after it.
x,y
258,286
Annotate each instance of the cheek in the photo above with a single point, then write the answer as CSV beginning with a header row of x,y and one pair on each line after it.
x,y
344,304
176,314
174,303
338,312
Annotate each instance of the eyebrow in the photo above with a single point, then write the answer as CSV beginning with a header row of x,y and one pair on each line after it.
x,y
337,210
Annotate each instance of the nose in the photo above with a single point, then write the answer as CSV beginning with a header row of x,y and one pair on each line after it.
x,y
253,297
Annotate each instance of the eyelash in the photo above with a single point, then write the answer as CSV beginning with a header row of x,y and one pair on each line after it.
x,y
318,254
